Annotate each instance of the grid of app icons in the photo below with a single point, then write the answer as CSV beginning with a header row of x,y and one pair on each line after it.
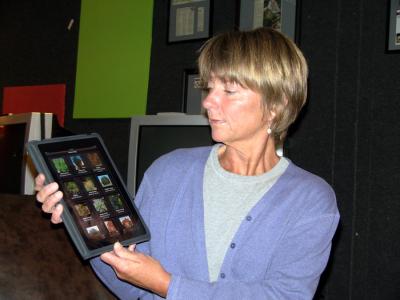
x,y
60,165
92,195
82,210
126,222
94,233
112,230
100,205
78,163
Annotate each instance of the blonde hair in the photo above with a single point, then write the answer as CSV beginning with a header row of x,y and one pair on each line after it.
x,y
265,61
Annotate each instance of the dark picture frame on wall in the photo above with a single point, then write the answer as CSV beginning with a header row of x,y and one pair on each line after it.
x,y
278,14
393,37
189,20
193,93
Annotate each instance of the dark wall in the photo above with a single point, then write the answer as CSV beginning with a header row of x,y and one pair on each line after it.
x,y
348,133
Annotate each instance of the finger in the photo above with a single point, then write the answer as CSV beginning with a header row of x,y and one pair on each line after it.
x,y
119,250
120,265
51,202
122,252
39,182
132,248
46,191
56,215
111,259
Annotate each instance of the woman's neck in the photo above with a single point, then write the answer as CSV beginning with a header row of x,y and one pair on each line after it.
x,y
248,161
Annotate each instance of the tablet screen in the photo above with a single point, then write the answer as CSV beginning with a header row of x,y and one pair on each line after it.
x,y
93,192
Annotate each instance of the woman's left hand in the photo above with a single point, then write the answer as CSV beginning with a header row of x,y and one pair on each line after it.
x,y
137,268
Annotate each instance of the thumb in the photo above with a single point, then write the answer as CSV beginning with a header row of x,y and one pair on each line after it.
x,y
122,252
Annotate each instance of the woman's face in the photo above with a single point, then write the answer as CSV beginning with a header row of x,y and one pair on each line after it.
x,y
236,114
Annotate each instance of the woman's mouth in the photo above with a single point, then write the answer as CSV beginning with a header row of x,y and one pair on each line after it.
x,y
215,121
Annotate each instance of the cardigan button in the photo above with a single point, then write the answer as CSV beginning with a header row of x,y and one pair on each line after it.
x,y
222,275
249,218
233,245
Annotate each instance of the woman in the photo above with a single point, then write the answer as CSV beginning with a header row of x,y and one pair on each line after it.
x,y
232,221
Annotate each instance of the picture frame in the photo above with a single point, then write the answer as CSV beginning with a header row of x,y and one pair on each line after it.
x,y
189,20
278,14
193,93
393,37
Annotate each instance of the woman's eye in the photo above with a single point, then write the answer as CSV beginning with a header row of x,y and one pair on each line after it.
x,y
230,92
230,88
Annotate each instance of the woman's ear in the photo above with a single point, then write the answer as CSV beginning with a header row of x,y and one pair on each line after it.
x,y
271,115
275,113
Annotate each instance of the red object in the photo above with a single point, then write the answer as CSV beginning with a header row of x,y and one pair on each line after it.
x,y
35,98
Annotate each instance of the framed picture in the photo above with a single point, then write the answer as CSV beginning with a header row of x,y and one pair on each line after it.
x,y
278,14
393,40
193,93
188,20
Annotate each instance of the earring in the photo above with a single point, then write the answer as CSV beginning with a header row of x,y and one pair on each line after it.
x,y
269,131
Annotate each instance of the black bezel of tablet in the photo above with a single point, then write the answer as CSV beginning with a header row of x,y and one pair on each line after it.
x,y
98,211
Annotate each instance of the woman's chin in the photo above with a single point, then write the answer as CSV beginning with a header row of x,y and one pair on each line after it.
x,y
218,138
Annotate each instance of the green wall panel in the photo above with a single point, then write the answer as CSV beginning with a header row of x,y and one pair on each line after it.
x,y
113,58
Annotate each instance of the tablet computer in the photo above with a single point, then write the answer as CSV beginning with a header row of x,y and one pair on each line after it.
x,y
98,211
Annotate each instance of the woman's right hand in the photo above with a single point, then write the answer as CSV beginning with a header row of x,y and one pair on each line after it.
x,y
49,196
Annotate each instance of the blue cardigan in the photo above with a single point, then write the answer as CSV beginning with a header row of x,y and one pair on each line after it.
x,y
278,252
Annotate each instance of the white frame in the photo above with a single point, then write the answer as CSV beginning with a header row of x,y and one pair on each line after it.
x,y
393,40
193,95
189,20
160,119
288,16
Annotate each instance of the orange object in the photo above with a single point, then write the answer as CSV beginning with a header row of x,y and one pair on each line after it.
x,y
35,98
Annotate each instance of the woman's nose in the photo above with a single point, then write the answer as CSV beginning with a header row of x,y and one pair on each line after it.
x,y
209,100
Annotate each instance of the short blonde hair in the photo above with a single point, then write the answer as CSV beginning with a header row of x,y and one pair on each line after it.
x,y
265,61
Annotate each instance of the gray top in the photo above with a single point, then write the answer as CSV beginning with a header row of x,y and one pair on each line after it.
x,y
228,198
